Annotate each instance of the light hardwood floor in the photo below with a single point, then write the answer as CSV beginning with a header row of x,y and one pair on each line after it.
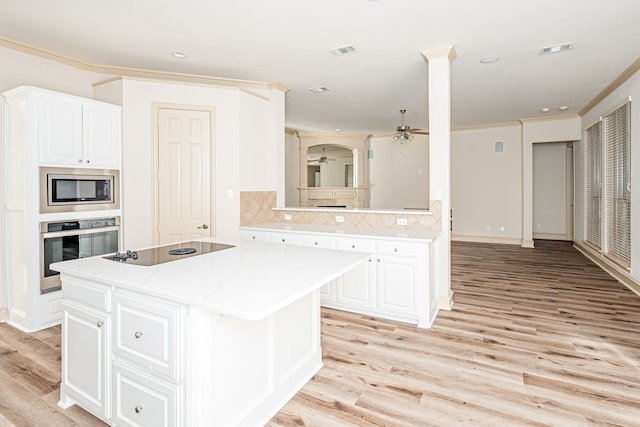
x,y
537,337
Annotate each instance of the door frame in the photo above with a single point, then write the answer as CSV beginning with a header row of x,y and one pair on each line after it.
x,y
155,167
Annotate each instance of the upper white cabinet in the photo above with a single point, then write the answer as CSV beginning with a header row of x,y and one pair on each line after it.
x,y
77,132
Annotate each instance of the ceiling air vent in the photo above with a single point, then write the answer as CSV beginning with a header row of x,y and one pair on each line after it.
x,y
319,89
344,50
556,48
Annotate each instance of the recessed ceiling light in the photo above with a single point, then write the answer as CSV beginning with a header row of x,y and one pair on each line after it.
x,y
343,50
556,48
319,89
178,54
564,108
489,59
545,110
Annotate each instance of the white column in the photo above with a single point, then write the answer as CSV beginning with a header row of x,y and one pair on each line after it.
x,y
277,93
439,62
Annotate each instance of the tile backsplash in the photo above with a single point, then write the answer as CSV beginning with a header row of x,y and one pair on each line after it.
x,y
256,207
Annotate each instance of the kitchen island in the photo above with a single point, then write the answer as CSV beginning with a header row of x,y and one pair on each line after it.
x,y
223,338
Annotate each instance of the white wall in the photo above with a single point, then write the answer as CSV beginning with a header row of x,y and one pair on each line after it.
x,y
486,187
550,191
244,128
398,173
631,88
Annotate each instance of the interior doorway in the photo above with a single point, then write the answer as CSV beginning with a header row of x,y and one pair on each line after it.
x,y
553,191
184,185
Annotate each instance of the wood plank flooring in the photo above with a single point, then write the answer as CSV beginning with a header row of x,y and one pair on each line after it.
x,y
537,337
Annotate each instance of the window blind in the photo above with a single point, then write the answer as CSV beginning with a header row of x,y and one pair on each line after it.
x,y
617,143
593,184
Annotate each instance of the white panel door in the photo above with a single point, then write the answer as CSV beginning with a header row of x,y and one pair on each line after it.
x,y
184,175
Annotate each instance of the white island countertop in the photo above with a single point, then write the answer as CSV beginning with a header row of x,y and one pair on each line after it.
x,y
250,281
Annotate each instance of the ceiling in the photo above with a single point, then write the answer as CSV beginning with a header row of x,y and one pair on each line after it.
x,y
289,41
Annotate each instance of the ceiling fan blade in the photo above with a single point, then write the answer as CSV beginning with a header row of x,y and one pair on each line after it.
x,y
420,132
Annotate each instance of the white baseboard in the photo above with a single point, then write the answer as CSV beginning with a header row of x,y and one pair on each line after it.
x,y
445,302
613,269
486,239
551,236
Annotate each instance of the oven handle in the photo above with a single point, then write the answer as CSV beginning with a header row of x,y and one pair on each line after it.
x,y
78,232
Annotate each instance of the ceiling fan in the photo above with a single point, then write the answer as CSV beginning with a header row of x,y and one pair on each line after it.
x,y
405,132
322,159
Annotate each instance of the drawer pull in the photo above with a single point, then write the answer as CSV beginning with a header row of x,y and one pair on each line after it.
x,y
282,240
395,249
378,259
100,324
253,237
353,246
138,409
316,243
138,335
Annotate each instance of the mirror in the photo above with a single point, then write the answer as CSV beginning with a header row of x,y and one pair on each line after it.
x,y
329,166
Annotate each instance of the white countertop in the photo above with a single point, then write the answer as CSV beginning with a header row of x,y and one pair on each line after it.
x,y
400,234
251,281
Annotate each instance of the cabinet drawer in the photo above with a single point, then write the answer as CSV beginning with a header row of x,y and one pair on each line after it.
x,y
358,245
286,238
320,194
319,241
90,294
345,194
146,332
258,236
400,248
139,400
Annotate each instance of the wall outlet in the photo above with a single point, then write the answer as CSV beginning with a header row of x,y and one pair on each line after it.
x,y
538,225
229,194
488,227
287,217
402,221
339,218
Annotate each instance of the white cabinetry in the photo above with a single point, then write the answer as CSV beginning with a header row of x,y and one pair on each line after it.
x,y
77,132
45,128
85,347
396,282
147,388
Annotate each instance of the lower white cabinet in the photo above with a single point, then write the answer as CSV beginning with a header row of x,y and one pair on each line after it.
x,y
142,400
395,283
85,347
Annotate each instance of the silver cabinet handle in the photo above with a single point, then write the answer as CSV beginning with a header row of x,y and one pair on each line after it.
x,y
395,249
79,160
378,259
205,226
138,409
88,161
353,246
100,324
138,335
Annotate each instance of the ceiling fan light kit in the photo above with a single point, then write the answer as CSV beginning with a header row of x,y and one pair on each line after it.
x,y
405,132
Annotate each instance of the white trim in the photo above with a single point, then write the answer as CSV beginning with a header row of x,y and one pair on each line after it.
x,y
551,236
613,269
486,239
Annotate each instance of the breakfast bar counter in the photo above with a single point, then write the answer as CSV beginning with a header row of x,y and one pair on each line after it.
x,y
222,338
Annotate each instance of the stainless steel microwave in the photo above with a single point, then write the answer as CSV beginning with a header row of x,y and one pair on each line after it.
x,y
71,189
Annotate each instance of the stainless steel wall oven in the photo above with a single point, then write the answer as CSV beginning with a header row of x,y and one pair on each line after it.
x,y
74,239
70,189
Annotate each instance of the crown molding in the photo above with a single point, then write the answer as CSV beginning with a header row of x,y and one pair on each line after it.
x,y
626,75
448,52
138,72
550,118
488,126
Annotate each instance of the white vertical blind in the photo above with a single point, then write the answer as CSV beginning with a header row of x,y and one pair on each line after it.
x,y
617,143
593,190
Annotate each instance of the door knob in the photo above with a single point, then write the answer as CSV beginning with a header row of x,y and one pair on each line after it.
x,y
205,226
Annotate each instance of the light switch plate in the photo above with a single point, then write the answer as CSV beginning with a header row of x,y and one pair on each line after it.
x,y
339,218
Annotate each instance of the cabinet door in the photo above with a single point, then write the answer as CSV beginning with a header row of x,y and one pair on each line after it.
x,y
101,136
328,291
84,358
356,288
59,130
397,279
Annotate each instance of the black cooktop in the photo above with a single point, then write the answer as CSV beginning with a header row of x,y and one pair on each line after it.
x,y
167,253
